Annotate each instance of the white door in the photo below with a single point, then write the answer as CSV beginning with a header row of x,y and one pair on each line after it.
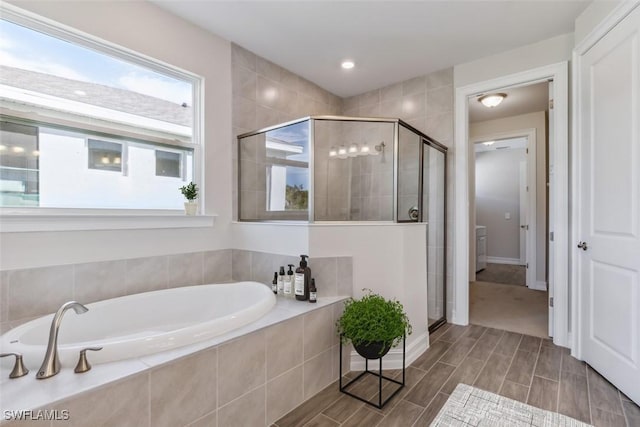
x,y
609,211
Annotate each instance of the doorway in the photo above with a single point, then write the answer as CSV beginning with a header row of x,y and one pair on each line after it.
x,y
503,293
558,184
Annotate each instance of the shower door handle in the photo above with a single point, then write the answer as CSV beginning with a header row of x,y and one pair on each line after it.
x,y
413,213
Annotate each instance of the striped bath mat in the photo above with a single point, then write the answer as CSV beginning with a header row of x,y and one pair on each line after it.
x,y
469,406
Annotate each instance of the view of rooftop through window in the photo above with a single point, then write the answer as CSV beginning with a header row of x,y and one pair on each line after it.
x,y
91,92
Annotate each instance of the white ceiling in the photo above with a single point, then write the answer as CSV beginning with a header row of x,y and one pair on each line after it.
x,y
520,100
389,41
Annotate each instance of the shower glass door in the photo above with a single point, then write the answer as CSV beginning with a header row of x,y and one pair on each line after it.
x,y
433,212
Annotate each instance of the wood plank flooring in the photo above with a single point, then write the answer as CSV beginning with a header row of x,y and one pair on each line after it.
x,y
525,368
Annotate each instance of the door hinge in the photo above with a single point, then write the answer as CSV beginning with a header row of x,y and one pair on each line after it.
x,y
527,151
551,302
527,265
551,236
551,104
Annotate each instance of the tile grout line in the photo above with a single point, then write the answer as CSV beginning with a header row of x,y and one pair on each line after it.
x,y
533,372
510,363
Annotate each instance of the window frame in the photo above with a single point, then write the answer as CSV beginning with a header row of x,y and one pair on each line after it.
x,y
25,219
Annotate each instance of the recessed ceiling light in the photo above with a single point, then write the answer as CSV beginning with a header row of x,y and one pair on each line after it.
x,y
347,65
17,149
489,143
492,100
80,92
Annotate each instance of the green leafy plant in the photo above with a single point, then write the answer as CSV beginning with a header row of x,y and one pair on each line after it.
x,y
373,319
189,191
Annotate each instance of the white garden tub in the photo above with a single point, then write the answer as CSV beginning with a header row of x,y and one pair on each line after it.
x,y
141,324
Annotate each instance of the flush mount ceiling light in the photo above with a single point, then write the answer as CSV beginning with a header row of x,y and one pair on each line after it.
x,y
347,65
492,100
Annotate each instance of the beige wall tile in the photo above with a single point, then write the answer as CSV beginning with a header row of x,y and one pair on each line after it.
x,y
217,266
318,332
243,57
242,365
440,78
415,85
244,83
391,92
96,281
318,373
185,269
284,393
146,274
240,265
184,390
38,291
368,98
248,410
125,403
325,271
284,346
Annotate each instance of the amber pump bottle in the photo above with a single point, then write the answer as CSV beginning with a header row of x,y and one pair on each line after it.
x,y
301,278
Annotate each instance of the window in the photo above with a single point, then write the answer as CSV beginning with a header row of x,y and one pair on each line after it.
x,y
88,125
168,164
103,155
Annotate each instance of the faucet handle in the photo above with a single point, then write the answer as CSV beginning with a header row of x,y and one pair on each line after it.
x,y
83,364
19,369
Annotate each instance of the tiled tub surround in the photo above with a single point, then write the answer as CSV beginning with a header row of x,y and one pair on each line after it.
x,y
251,376
334,275
27,294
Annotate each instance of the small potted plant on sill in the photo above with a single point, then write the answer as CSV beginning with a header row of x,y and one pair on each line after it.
x,y
373,324
190,192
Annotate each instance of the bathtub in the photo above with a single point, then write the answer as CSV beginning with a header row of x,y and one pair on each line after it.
x,y
142,324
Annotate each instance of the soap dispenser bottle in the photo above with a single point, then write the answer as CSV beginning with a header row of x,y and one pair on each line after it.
x,y
289,283
281,281
313,292
302,276
274,284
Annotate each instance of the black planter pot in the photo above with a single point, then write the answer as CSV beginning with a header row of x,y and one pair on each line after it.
x,y
373,350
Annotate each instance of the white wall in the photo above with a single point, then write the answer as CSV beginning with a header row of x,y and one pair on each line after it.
x,y
592,16
147,29
498,192
387,258
545,52
513,124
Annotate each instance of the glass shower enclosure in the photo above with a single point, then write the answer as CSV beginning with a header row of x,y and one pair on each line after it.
x,y
349,169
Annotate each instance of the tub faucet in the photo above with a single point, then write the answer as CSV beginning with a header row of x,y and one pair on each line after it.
x,y
51,363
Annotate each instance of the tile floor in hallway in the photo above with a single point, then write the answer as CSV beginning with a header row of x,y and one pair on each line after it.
x,y
521,367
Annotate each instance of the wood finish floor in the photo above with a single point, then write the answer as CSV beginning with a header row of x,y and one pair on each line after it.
x,y
522,367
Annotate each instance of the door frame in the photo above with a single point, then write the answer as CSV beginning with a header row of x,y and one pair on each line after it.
x,y
558,190
531,159
614,18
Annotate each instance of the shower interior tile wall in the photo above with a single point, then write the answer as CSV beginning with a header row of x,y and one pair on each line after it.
x,y
356,188
266,94
426,103
30,293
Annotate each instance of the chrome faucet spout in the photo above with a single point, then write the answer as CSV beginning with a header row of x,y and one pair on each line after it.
x,y
51,363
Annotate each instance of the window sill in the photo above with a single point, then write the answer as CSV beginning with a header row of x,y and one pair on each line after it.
x,y
14,222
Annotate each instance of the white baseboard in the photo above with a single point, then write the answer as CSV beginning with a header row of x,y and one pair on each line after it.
x,y
500,260
393,359
539,285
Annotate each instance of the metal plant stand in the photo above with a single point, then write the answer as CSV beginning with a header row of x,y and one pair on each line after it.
x,y
380,376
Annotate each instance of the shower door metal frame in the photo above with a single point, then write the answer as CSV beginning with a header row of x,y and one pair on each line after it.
x,y
441,148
